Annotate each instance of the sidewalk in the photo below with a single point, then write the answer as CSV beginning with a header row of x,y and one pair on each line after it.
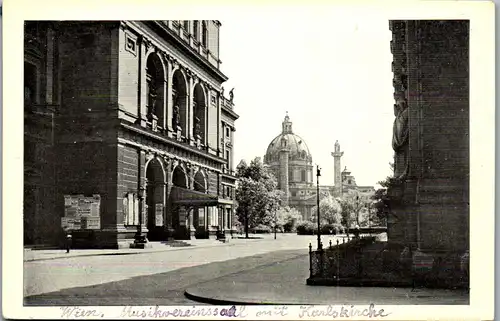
x,y
31,255
40,255
284,283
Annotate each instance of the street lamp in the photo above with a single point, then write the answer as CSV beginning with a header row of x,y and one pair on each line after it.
x,y
275,221
139,238
318,174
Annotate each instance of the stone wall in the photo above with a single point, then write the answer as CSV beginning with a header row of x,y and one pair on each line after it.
x,y
430,206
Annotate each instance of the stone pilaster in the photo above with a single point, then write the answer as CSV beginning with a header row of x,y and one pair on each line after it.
x,y
169,101
142,45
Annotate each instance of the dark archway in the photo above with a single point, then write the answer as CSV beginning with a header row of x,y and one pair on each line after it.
x,y
179,178
199,111
199,213
155,90
155,199
200,182
179,100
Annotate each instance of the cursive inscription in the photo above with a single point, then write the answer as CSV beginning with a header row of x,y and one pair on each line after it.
x,y
341,312
274,311
77,312
159,312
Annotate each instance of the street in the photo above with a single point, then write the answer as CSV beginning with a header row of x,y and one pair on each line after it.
x,y
245,271
120,279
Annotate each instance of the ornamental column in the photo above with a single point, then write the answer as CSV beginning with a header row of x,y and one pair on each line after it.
x,y
337,154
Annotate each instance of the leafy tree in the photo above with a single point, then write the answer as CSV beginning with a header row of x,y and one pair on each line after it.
x,y
353,205
256,194
381,199
380,205
329,210
287,218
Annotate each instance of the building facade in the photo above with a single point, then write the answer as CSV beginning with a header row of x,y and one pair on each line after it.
x,y
430,197
290,160
133,114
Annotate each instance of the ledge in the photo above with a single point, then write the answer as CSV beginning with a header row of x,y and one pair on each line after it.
x,y
172,142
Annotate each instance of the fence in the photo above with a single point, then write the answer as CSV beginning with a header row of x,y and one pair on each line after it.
x,y
337,261
362,261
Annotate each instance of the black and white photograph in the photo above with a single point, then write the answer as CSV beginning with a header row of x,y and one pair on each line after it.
x,y
278,162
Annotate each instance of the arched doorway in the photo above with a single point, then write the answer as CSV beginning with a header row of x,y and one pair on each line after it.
x,y
199,112
155,199
155,91
180,180
199,213
179,99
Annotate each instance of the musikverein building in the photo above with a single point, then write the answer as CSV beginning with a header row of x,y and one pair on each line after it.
x,y
127,131
290,160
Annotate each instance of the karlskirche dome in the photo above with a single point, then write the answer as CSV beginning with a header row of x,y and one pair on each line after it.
x,y
296,146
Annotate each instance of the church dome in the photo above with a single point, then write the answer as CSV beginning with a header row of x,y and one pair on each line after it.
x,y
287,140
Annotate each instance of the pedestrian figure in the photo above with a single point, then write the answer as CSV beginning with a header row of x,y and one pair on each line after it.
x,y
68,241
356,231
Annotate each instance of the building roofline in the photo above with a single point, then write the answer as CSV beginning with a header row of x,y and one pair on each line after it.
x,y
186,49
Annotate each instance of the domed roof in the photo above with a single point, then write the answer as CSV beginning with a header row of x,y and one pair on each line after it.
x,y
296,146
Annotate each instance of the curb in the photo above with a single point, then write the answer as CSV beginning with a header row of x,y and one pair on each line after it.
x,y
214,301
126,253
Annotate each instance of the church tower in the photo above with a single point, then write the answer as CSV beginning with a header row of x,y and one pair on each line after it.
x,y
284,155
337,154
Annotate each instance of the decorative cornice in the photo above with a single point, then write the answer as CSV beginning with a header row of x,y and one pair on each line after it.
x,y
173,143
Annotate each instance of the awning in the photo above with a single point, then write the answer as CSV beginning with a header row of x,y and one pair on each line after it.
x,y
184,196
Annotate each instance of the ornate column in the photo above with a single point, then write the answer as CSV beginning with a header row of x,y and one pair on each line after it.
x,y
336,160
220,101
167,223
208,103
189,114
143,45
169,101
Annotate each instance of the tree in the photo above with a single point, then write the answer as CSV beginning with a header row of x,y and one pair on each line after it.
x,y
380,205
354,206
381,199
329,211
287,218
256,194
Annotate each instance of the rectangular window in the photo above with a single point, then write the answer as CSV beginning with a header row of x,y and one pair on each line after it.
x,y
196,30
227,132
30,83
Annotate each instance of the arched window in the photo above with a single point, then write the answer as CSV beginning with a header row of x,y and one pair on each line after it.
x,y
196,30
179,100
154,89
204,39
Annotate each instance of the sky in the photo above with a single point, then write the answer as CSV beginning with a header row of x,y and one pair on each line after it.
x,y
330,71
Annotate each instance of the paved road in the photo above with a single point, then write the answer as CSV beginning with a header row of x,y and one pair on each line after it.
x,y
57,274
250,271
161,288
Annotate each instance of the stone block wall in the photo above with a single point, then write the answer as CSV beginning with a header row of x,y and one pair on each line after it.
x,y
431,204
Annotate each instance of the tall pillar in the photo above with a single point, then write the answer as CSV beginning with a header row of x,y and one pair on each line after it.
x,y
284,153
169,101
142,109
190,111
337,154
